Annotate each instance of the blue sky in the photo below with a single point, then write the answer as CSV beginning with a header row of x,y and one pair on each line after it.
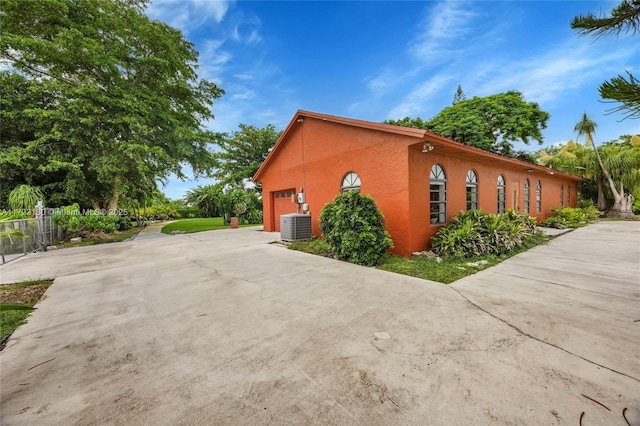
x,y
378,60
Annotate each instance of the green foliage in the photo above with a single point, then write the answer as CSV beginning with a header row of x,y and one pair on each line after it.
x,y
4,307
354,228
459,96
25,197
100,100
623,18
242,153
206,199
252,217
188,212
189,226
13,214
315,246
74,221
475,233
572,217
491,123
621,159
156,213
448,270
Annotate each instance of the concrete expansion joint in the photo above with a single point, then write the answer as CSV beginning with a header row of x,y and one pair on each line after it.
x,y
523,333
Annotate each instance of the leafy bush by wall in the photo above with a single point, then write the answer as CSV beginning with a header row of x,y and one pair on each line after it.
x,y
251,217
572,217
72,220
354,228
475,233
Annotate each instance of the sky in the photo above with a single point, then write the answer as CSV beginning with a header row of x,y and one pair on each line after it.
x,y
379,60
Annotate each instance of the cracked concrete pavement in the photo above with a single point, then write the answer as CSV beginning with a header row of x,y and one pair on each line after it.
x,y
222,327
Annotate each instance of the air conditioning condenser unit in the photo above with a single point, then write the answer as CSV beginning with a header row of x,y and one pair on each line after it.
x,y
295,227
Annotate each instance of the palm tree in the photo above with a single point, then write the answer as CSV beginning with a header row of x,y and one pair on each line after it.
x,y
206,198
623,203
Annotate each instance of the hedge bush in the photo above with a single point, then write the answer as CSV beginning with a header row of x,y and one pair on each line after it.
x,y
475,233
72,220
571,217
354,228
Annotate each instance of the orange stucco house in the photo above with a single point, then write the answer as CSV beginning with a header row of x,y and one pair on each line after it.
x,y
418,179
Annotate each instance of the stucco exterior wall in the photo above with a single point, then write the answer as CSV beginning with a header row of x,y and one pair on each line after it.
x,y
316,154
456,167
319,154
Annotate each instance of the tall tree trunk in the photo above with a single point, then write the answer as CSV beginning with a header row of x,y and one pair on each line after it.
x,y
622,202
112,204
601,204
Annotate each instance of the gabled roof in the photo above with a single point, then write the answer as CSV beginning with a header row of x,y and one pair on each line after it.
x,y
449,145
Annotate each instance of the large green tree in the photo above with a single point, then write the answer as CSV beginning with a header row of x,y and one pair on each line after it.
x,y
492,123
623,18
109,100
242,153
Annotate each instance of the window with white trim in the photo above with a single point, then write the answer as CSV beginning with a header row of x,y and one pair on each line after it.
x,y
527,198
472,190
437,195
350,182
502,194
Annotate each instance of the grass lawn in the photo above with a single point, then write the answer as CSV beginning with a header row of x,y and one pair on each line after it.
x,y
189,226
27,293
450,269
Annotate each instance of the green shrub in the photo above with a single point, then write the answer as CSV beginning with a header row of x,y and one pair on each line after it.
x,y
572,217
251,217
13,214
124,223
189,212
353,226
475,233
71,219
155,212
25,197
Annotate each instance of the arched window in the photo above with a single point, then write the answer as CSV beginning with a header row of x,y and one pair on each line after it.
x,y
561,195
502,201
472,190
539,197
527,198
350,182
438,195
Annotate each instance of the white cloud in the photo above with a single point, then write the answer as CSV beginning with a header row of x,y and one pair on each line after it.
x,y
551,76
416,102
445,25
188,14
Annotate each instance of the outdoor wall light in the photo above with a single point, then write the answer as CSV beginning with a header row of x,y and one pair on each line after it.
x,y
427,147
529,170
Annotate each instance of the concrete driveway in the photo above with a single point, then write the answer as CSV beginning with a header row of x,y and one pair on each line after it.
x,y
224,328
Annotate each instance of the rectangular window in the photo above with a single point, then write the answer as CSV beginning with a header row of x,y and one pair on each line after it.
x,y
501,200
438,203
472,197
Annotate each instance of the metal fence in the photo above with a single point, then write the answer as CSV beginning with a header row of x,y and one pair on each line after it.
x,y
39,234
